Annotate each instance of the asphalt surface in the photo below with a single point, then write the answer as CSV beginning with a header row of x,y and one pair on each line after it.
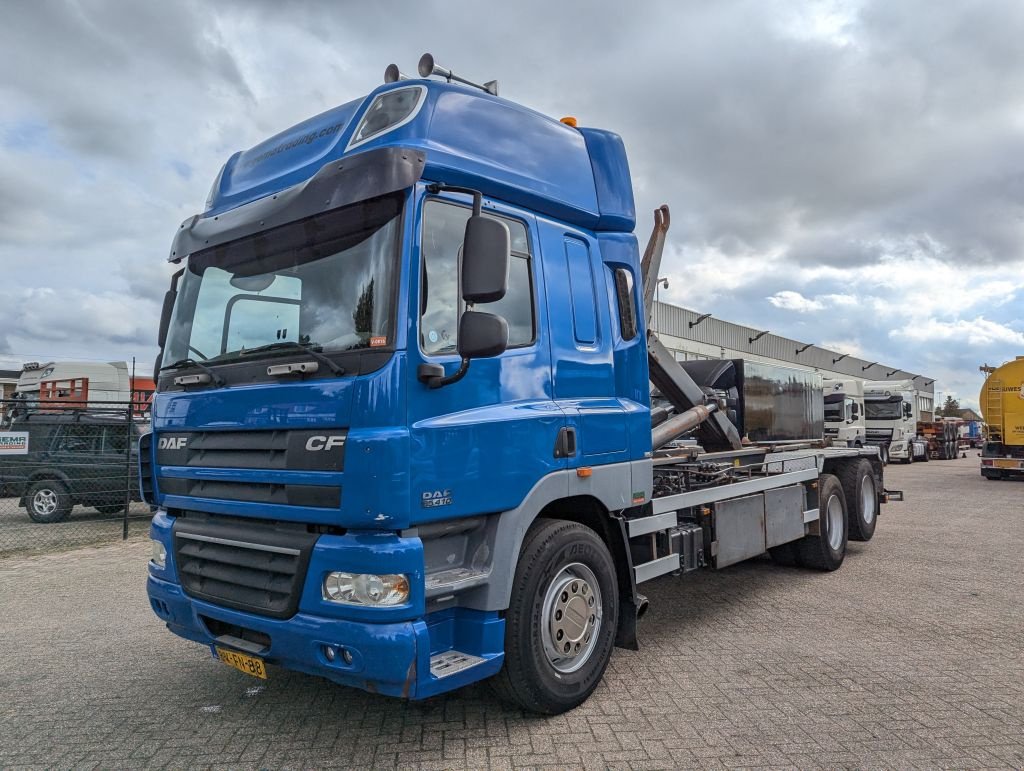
x,y
911,655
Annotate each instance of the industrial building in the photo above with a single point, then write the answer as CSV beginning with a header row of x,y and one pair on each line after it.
x,y
691,335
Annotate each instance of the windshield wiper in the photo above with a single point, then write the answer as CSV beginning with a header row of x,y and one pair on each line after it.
x,y
311,348
217,379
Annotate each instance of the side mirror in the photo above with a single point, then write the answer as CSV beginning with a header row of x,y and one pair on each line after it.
x,y
165,312
482,335
485,260
907,410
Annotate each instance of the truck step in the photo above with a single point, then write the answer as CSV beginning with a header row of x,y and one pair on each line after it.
x,y
453,580
450,662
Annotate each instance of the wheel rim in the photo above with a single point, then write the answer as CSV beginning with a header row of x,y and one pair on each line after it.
x,y
571,617
44,501
834,515
868,500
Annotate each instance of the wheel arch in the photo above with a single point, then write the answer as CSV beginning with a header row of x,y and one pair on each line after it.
x,y
42,475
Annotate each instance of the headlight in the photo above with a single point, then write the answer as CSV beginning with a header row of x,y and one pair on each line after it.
x,y
159,554
366,588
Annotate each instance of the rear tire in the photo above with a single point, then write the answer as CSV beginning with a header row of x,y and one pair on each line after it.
x,y
555,653
827,550
858,481
48,501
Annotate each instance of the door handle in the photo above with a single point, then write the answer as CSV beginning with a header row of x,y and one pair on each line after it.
x,y
565,443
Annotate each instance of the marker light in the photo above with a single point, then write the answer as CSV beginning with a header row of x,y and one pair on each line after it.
x,y
569,120
366,589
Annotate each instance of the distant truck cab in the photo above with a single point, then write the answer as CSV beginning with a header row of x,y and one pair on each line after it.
x,y
892,414
845,424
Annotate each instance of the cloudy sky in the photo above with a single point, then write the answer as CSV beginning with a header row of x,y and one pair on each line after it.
x,y
844,173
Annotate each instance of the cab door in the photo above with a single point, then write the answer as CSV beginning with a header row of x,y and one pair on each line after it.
x,y
582,345
482,443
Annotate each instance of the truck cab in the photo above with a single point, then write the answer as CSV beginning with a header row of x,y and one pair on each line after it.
x,y
891,412
845,424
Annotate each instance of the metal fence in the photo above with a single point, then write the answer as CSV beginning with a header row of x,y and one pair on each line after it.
x,y
69,474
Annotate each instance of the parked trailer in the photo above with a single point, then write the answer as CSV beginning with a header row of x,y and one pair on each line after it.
x,y
941,438
1002,405
452,476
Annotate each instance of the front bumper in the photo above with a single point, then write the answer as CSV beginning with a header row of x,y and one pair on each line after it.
x,y
388,654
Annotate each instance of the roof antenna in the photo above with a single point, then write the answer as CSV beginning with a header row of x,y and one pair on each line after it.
x,y
428,67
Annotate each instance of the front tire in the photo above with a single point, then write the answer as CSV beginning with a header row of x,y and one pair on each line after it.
x,y
561,621
48,501
826,550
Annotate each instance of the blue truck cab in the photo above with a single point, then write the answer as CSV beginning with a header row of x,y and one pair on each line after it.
x,y
351,446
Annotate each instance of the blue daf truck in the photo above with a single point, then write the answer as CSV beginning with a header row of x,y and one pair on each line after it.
x,y
403,436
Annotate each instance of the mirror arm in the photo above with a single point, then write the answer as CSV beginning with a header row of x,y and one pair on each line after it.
x,y
478,197
433,374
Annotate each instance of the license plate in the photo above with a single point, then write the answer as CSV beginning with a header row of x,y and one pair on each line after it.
x,y
1004,463
250,665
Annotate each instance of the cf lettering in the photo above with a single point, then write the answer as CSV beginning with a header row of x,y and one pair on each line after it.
x,y
317,443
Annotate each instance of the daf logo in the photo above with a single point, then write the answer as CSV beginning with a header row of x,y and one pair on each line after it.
x,y
317,443
172,442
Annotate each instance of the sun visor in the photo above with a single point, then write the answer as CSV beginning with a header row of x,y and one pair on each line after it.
x,y
339,183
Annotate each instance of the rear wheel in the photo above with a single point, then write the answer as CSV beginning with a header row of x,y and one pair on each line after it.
x,y
561,621
48,501
858,481
826,550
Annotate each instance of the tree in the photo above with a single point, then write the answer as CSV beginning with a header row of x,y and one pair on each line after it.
x,y
363,314
950,408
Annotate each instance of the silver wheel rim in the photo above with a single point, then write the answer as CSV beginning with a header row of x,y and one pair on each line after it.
x,y
867,499
44,501
834,514
571,617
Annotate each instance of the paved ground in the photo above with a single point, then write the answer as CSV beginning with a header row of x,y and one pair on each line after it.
x,y
912,655
18,533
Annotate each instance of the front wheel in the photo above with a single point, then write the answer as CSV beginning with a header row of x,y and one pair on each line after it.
x,y
561,621
48,501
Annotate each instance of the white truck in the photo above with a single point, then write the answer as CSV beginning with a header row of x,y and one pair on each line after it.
x,y
845,425
891,411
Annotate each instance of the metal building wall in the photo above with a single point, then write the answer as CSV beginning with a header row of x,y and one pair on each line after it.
x,y
718,339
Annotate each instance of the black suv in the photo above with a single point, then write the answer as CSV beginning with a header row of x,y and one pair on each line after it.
x,y
78,457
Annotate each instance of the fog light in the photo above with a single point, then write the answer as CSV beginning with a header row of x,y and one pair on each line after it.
x,y
329,652
346,654
366,589
158,556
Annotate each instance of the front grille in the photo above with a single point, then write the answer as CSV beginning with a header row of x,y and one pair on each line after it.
x,y
298,450
319,496
146,468
879,433
255,567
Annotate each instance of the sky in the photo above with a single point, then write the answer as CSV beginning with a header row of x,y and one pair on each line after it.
x,y
849,174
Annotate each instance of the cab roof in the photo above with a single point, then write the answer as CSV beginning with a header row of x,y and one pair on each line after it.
x,y
470,138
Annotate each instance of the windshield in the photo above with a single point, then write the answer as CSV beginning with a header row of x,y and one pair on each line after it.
x,y
326,281
883,410
833,412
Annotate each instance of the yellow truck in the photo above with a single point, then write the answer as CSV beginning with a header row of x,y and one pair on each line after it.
x,y
1002,405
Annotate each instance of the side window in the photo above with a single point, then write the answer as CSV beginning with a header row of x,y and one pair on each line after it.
x,y
444,226
115,439
79,439
627,308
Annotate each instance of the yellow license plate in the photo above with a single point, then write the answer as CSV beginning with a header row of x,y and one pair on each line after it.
x,y
1005,463
243,663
